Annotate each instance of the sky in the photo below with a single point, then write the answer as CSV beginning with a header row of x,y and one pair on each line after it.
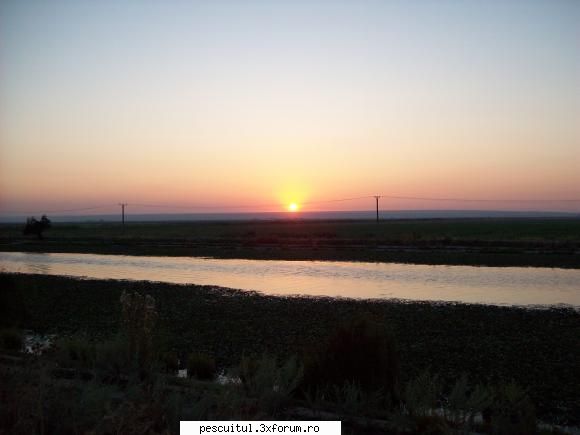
x,y
262,104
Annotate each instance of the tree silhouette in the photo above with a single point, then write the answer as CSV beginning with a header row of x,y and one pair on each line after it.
x,y
34,226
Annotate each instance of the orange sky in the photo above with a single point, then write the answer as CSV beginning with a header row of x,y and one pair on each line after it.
x,y
293,102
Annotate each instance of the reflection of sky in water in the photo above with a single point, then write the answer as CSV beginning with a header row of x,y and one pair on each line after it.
x,y
508,285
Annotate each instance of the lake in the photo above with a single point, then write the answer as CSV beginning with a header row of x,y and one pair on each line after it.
x,y
488,285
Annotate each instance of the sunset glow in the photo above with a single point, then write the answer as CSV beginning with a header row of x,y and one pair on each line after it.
x,y
339,186
209,106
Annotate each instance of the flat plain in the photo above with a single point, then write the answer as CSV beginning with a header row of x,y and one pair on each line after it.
x,y
486,242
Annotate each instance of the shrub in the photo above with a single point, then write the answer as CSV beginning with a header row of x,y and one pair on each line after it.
x,y
360,352
464,403
169,362
512,411
352,400
11,339
264,373
201,366
269,382
422,394
75,352
111,359
13,311
139,316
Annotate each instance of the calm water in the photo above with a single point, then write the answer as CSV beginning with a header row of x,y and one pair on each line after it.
x,y
492,285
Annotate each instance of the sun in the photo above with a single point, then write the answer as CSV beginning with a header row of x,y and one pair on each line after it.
x,y
292,207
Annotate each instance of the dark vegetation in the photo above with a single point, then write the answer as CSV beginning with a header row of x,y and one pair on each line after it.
x,y
518,364
497,242
360,351
36,227
201,366
11,339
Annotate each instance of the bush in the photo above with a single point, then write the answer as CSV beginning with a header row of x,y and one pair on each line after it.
x,y
464,402
12,308
201,366
512,412
360,352
269,382
351,400
112,361
75,352
169,362
422,394
139,317
11,339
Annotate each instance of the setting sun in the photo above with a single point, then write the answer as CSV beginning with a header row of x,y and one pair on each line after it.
x,y
265,176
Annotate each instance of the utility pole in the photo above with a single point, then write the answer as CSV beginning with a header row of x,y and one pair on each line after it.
x,y
377,201
123,204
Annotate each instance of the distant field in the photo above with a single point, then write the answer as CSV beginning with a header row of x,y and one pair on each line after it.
x,y
543,230
545,242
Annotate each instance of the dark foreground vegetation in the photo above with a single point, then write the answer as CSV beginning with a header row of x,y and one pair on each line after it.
x,y
492,242
380,367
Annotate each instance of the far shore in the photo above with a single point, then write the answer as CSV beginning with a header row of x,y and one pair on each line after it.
x,y
477,242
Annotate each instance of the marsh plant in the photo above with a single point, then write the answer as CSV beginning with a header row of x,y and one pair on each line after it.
x,y
168,362
511,411
361,352
12,307
500,409
201,366
74,352
115,386
115,359
421,394
11,339
465,403
353,400
112,361
268,381
139,316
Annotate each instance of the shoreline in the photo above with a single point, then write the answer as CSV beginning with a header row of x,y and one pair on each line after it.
x,y
473,242
454,256
489,343
303,296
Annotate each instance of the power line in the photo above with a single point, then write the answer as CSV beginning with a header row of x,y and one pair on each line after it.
x,y
71,210
206,206
421,198
305,203
338,200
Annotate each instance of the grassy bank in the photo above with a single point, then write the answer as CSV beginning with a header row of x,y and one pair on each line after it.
x,y
473,229
538,349
492,242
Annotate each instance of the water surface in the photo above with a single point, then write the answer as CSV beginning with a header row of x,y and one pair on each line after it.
x,y
490,285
